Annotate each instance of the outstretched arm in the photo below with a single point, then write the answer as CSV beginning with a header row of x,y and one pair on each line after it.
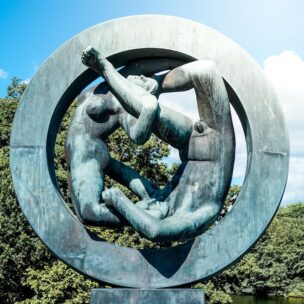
x,y
134,99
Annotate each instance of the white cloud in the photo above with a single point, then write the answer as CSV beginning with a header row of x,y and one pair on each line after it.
x,y
286,72
3,74
294,191
26,81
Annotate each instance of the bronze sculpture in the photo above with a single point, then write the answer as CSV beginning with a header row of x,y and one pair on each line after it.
x,y
62,78
194,197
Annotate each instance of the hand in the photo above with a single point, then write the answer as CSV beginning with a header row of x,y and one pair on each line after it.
x,y
110,196
91,58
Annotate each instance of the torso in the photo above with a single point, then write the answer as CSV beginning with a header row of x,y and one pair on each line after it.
x,y
205,178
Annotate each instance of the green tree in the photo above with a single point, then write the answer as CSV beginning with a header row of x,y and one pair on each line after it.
x,y
214,295
30,274
19,247
16,88
57,283
275,266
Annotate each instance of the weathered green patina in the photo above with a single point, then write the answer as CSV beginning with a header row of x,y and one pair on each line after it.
x,y
194,197
63,76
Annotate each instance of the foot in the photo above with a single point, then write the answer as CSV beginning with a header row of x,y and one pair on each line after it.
x,y
91,58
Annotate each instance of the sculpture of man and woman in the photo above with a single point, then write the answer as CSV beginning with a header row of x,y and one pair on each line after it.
x,y
193,199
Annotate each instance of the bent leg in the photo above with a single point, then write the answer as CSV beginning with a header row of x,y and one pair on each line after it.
x,y
86,194
180,226
87,162
138,218
205,78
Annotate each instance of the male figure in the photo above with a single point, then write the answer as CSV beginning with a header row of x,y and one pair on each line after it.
x,y
197,196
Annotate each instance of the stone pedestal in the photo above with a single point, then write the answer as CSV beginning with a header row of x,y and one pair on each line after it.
x,y
147,296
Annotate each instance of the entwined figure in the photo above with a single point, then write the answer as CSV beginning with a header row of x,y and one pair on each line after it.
x,y
194,197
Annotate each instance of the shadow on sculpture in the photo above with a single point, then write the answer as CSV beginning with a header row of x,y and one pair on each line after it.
x,y
176,259
145,45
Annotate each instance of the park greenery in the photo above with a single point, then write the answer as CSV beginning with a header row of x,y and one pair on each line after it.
x,y
29,273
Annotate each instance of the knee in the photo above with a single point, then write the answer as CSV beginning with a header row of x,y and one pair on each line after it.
x,y
139,139
150,104
159,232
154,235
87,214
213,210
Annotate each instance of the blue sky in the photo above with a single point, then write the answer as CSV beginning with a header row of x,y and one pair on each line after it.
x,y
31,30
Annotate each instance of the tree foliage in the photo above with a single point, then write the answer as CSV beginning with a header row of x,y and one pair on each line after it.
x,y
19,247
57,283
30,274
275,266
16,88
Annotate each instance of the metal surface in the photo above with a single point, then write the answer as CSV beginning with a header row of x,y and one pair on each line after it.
x,y
61,78
191,202
147,296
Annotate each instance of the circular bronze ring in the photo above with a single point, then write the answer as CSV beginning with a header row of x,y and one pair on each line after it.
x,y
63,76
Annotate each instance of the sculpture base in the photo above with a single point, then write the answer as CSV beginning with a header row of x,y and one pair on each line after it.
x,y
147,296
